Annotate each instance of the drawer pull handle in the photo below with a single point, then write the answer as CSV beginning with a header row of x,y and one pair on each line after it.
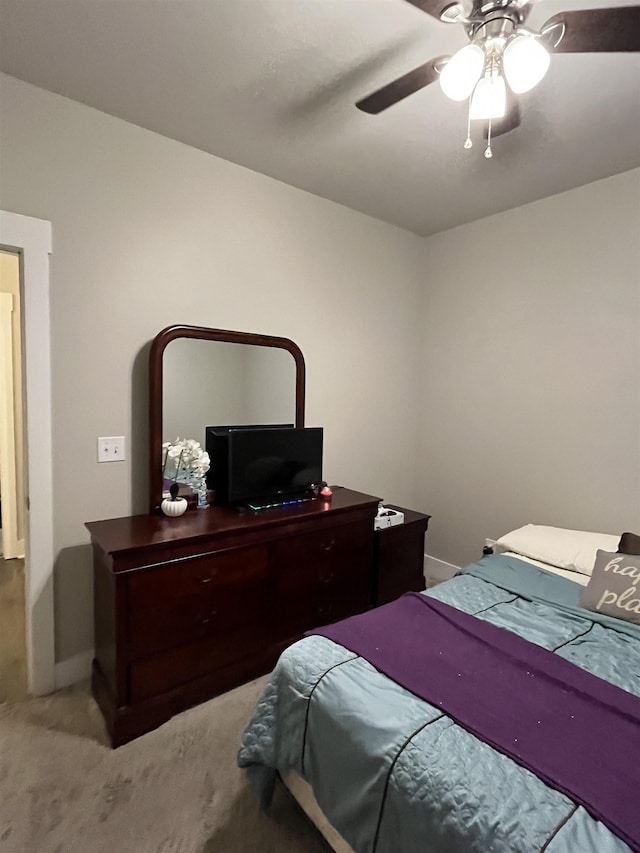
x,y
206,619
209,577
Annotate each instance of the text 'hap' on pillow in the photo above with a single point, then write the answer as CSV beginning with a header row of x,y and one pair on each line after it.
x,y
614,586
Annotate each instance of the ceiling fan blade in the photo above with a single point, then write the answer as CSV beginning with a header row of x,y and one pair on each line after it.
x,y
431,7
402,87
511,119
598,30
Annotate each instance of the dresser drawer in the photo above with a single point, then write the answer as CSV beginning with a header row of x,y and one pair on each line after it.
x,y
218,611
160,673
321,555
321,609
194,576
322,577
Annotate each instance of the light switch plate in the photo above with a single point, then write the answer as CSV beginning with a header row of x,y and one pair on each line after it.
x,y
111,448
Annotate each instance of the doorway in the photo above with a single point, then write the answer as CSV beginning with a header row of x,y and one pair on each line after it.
x,y
30,239
13,645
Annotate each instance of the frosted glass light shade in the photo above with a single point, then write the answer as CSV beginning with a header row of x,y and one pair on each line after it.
x,y
525,62
489,99
461,73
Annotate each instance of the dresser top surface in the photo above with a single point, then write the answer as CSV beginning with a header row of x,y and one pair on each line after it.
x,y
141,531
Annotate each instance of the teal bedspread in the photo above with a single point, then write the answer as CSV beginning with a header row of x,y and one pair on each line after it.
x,y
393,775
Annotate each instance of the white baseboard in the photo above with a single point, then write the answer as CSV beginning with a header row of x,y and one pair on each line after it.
x,y
438,570
72,670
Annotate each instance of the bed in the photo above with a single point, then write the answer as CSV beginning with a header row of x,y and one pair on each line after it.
x,y
381,770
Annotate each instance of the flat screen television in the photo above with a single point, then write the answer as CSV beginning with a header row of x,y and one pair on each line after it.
x,y
216,440
273,465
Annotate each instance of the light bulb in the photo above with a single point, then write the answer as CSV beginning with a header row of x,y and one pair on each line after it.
x,y
489,98
462,72
525,63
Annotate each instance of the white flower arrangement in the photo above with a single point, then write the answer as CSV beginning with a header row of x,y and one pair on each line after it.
x,y
185,461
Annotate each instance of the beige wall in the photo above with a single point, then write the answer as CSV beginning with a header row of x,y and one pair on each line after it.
x,y
148,232
531,370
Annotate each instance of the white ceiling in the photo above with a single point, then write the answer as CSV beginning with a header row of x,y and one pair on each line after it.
x,y
271,84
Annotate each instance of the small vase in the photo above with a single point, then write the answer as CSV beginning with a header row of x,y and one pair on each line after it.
x,y
174,506
199,487
201,492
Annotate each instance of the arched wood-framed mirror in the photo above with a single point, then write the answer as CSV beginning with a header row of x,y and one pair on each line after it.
x,y
200,377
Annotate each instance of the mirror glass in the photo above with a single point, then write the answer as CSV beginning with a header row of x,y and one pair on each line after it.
x,y
200,377
218,383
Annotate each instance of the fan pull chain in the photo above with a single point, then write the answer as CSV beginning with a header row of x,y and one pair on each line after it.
x,y
468,143
489,153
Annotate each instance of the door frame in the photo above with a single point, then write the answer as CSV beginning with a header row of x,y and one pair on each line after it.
x,y
31,239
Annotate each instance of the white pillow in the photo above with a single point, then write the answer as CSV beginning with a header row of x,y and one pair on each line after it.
x,y
574,550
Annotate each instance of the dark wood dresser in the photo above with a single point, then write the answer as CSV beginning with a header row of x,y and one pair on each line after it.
x,y
186,608
399,556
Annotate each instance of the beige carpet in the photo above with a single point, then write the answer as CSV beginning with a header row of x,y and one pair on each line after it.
x,y
174,790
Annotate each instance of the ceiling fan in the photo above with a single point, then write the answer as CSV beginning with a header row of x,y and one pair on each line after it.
x,y
504,58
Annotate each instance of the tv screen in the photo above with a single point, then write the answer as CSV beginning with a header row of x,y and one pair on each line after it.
x,y
273,463
216,440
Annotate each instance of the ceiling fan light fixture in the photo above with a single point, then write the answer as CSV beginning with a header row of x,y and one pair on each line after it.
x,y
453,13
462,72
489,99
525,62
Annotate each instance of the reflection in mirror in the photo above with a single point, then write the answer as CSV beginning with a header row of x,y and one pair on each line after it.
x,y
217,383
200,377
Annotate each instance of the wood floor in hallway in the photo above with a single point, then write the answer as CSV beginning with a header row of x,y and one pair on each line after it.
x,y
13,650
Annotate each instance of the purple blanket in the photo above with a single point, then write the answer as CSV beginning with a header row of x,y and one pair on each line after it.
x,y
575,731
